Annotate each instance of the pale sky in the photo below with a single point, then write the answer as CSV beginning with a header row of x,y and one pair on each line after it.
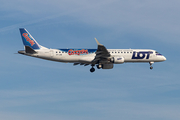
x,y
32,88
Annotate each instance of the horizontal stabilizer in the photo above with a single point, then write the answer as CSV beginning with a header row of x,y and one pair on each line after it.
x,y
29,50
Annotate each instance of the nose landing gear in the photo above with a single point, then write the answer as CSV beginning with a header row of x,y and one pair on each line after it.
x,y
151,65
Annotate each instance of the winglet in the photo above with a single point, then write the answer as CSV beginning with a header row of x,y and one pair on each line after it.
x,y
97,41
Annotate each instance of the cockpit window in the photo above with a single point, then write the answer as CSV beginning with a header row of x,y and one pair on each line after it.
x,y
157,53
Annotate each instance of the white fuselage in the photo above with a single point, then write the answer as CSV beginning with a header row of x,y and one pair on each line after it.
x,y
129,55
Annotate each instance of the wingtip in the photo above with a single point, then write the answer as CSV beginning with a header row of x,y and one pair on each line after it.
x,y
97,41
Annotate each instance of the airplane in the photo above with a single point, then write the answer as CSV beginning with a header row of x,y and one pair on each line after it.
x,y
101,57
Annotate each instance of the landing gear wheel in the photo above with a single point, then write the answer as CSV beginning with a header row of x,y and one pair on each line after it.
x,y
92,70
99,66
151,67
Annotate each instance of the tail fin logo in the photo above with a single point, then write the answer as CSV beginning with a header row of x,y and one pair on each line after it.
x,y
25,35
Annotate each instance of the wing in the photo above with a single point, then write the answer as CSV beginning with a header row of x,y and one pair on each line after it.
x,y
101,53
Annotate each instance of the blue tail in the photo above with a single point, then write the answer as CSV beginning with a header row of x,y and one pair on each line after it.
x,y
28,40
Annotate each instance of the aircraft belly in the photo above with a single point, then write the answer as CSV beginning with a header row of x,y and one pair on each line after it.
x,y
76,58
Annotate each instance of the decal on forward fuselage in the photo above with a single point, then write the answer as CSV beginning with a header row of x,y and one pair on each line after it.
x,y
141,55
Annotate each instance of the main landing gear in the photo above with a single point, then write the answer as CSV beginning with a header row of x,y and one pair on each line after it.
x,y
99,66
151,65
92,69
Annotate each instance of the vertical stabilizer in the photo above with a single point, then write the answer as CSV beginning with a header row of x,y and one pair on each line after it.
x,y
28,40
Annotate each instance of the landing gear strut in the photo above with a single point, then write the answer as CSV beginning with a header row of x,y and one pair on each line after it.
x,y
151,65
92,69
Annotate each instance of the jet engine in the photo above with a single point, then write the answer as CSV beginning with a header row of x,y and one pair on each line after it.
x,y
117,60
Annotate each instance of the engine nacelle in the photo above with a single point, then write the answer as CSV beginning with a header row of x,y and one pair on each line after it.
x,y
107,66
117,60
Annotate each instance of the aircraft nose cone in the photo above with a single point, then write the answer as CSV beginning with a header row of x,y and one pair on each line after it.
x,y
164,58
